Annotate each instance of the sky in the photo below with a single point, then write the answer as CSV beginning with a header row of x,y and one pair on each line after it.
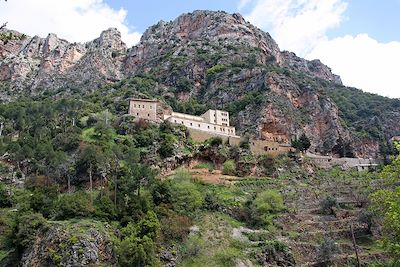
x,y
358,39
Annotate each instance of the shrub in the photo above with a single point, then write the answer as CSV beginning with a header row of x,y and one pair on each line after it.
x,y
135,251
367,218
328,250
192,247
245,143
27,227
161,193
5,199
175,227
266,205
138,245
211,202
269,201
74,205
328,204
105,208
229,167
43,199
215,141
216,68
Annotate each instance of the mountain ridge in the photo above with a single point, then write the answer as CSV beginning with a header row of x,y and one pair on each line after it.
x,y
213,58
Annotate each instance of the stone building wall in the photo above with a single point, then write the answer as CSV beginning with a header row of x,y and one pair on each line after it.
x,y
216,116
145,109
198,123
260,147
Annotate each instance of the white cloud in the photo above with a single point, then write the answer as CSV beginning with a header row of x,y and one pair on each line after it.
x,y
297,25
243,3
74,20
301,26
363,62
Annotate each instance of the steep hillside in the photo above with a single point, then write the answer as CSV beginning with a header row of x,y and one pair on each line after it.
x,y
206,59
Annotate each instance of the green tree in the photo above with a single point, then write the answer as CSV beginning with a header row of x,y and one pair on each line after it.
x,y
138,245
302,143
186,198
43,199
90,161
167,145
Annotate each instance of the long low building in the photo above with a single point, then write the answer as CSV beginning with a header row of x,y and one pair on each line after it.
x,y
213,121
201,123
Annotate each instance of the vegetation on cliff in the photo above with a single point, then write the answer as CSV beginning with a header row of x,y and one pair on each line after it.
x,y
83,184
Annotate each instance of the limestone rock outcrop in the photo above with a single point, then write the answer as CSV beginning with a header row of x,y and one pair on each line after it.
x,y
216,58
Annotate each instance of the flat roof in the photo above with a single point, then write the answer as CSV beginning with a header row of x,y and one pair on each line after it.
x,y
211,109
143,100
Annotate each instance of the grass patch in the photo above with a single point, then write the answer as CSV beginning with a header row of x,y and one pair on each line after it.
x,y
88,134
204,165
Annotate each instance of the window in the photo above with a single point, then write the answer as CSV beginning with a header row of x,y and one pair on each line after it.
x,y
175,121
137,113
215,128
134,105
191,124
199,125
148,115
182,122
208,126
151,107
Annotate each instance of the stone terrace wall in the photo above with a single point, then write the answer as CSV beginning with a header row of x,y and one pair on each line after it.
x,y
344,163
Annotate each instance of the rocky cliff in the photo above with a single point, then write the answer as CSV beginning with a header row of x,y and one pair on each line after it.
x,y
215,58
71,244
33,65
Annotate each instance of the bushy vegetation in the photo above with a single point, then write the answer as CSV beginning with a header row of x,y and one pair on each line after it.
x,y
358,109
81,160
229,167
327,205
261,210
386,208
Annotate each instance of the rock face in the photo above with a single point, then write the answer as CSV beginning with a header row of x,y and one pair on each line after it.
x,y
215,58
60,246
35,64
313,67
